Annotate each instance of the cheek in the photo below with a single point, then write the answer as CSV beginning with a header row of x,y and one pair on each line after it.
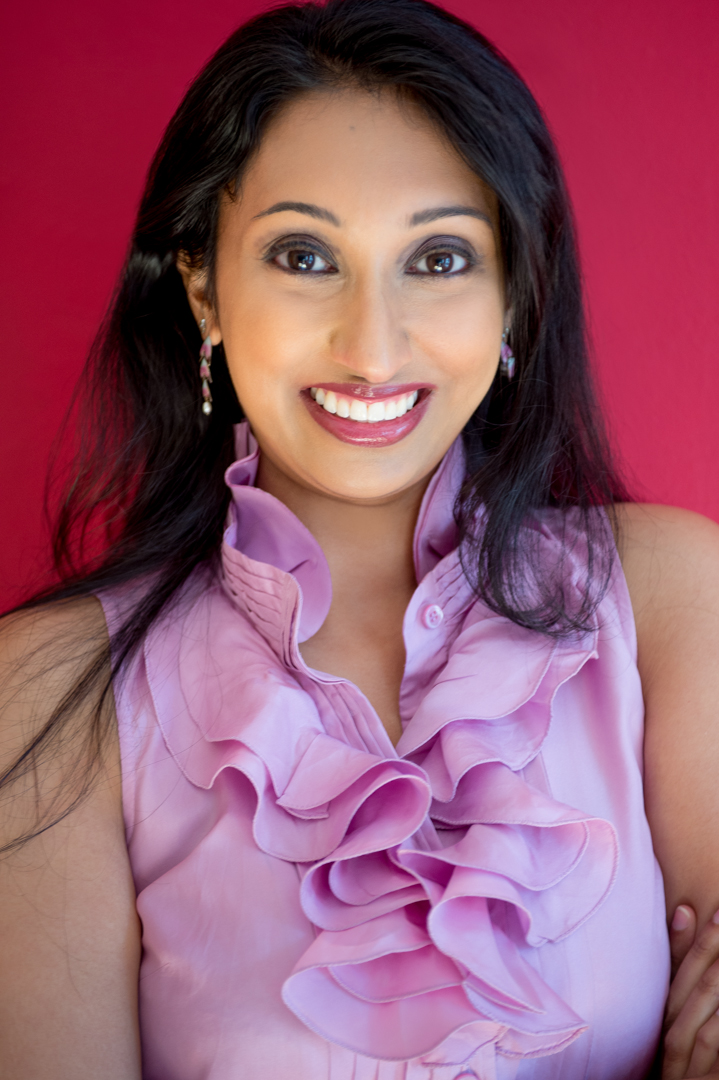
x,y
462,335
264,340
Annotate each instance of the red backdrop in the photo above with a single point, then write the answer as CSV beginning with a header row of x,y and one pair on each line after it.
x,y
631,90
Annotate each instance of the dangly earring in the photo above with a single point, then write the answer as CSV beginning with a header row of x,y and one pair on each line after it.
x,y
507,359
205,375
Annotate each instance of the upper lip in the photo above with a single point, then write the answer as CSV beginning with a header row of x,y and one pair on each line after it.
x,y
372,393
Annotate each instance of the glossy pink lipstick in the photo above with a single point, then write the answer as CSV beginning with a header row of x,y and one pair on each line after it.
x,y
371,416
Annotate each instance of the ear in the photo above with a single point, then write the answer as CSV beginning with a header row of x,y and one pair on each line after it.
x,y
195,281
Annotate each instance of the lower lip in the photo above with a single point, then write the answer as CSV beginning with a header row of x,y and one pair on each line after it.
x,y
381,433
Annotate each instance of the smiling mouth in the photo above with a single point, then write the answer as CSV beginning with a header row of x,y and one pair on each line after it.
x,y
368,416
365,411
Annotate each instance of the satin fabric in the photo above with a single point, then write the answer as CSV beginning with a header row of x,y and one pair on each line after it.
x,y
481,901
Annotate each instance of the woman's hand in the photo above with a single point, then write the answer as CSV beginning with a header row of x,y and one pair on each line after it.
x,y
691,1030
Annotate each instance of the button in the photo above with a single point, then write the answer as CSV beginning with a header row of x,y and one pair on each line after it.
x,y
432,616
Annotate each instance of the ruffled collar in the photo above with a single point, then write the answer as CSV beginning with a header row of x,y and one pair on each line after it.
x,y
263,530
431,873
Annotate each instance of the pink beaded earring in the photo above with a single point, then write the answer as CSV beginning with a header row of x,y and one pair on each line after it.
x,y
205,375
507,358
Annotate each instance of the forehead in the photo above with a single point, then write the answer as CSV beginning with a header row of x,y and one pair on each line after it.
x,y
363,152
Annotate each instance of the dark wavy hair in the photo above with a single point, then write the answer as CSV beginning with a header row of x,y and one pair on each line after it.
x,y
149,478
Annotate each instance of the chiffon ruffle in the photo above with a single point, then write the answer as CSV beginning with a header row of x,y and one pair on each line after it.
x,y
431,877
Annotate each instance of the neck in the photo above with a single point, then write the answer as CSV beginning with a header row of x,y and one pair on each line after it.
x,y
366,545
369,553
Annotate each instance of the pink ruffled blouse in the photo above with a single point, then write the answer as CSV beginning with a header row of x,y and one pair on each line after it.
x,y
482,901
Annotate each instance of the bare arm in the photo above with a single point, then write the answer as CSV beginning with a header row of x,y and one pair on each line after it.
x,y
69,933
671,561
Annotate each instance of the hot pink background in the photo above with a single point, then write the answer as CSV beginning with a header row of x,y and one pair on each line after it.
x,y
631,90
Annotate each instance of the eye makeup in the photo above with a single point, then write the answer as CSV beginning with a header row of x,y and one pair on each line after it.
x,y
444,245
435,245
299,243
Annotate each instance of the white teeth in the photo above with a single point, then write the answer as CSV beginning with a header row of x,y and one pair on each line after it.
x,y
362,411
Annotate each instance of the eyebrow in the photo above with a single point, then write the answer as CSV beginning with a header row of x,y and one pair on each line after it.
x,y
310,209
422,217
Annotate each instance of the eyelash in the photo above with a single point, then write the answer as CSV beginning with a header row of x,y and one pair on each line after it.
x,y
298,243
448,248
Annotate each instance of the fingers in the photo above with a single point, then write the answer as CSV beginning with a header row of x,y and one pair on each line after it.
x,y
691,1043
699,957
682,932
706,1049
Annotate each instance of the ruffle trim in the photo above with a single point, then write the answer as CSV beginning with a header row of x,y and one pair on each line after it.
x,y
432,877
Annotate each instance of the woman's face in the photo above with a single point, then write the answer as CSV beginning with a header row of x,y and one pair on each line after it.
x,y
359,295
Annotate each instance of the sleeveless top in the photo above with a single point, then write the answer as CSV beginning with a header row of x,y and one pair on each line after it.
x,y
482,901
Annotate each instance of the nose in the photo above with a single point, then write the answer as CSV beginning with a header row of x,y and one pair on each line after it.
x,y
368,339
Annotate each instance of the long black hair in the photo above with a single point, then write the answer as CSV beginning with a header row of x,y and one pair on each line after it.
x,y
149,479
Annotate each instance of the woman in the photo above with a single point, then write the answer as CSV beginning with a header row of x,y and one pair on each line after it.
x,y
371,767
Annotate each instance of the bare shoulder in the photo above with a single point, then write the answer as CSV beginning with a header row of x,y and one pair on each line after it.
x,y
654,525
671,563
670,559
43,653
69,934
25,634
669,555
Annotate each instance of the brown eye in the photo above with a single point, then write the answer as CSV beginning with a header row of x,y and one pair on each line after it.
x,y
440,263
302,261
